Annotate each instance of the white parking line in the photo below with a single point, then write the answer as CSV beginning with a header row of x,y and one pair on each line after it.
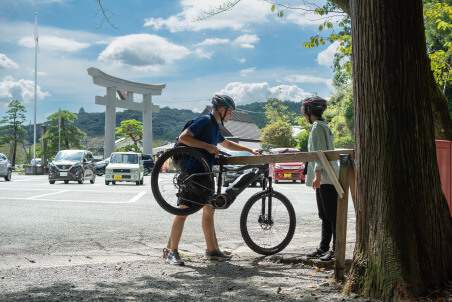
x,y
35,197
138,196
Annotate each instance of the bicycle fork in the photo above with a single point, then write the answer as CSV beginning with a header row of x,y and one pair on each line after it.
x,y
265,218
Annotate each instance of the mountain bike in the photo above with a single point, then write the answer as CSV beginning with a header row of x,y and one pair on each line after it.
x,y
183,174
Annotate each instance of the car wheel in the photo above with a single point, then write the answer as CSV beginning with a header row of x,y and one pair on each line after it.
x,y
66,181
8,176
294,181
274,178
51,182
113,182
146,171
107,182
137,182
142,182
92,180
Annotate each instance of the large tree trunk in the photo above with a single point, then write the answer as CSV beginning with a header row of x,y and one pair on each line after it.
x,y
442,119
404,229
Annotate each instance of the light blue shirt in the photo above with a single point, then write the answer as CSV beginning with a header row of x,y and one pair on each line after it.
x,y
320,138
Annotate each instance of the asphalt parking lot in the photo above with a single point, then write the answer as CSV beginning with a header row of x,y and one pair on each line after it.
x,y
37,218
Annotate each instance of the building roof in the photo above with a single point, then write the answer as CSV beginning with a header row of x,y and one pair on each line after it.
x,y
240,125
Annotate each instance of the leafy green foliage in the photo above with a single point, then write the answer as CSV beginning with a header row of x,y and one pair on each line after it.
x,y
70,136
277,135
133,130
13,132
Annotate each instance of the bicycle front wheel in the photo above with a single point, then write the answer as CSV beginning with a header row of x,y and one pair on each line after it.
x,y
267,222
181,181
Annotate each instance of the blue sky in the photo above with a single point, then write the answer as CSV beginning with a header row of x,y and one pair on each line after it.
x,y
248,53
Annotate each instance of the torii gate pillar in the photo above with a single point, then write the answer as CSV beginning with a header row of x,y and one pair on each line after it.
x,y
111,102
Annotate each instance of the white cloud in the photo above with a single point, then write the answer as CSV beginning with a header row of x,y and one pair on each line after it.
x,y
244,93
200,52
303,78
213,41
22,90
326,57
142,52
7,63
241,60
53,43
247,71
246,41
244,13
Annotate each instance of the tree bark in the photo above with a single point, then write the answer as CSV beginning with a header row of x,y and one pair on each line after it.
x,y
442,119
403,223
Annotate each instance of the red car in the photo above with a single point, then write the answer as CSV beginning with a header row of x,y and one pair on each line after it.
x,y
286,171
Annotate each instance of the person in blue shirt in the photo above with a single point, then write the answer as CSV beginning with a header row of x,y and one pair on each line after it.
x,y
222,107
321,138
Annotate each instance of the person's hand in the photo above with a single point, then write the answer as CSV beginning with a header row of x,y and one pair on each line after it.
x,y
316,183
212,149
255,151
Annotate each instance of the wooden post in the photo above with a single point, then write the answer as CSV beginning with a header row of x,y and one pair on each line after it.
x,y
341,218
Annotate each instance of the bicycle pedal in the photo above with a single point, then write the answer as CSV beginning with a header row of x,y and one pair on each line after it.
x,y
165,252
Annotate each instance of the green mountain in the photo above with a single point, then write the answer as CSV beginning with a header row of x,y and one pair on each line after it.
x,y
166,124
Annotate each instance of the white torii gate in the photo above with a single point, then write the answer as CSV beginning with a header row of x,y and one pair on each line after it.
x,y
110,101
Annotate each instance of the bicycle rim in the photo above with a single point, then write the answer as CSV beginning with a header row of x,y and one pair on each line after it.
x,y
262,234
168,182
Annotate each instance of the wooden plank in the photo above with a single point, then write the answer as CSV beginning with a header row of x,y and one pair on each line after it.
x,y
331,174
287,157
341,219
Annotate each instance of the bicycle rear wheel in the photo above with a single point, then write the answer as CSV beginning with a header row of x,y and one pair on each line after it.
x,y
192,183
264,233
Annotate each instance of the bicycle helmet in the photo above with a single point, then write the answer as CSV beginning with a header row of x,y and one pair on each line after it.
x,y
223,101
313,105
219,101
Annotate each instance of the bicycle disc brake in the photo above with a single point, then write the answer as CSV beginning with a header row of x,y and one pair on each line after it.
x,y
264,222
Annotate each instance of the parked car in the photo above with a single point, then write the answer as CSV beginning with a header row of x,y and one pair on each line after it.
x,y
286,171
230,176
101,165
148,163
5,167
72,165
124,166
35,162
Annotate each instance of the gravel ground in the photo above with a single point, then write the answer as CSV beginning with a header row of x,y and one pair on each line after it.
x,y
275,278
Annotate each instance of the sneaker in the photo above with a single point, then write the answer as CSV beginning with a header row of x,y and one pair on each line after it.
x,y
318,252
328,256
217,254
174,258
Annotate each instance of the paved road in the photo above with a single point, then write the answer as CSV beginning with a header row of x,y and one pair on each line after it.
x,y
53,225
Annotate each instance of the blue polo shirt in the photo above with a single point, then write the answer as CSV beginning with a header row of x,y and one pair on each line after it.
x,y
213,137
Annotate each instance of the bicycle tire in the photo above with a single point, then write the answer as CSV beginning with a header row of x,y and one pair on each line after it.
x,y
263,237
167,181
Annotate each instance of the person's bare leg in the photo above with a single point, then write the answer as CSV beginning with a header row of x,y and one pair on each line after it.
x,y
208,227
176,230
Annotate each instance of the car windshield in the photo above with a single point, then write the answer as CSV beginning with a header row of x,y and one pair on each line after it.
x,y
69,156
124,158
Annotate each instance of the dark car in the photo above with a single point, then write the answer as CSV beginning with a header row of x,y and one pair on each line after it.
x,y
100,166
5,167
148,163
230,176
72,165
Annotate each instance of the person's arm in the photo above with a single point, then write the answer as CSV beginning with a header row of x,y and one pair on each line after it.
x,y
318,143
187,137
238,147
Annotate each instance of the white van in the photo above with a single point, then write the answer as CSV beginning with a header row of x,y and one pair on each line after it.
x,y
124,166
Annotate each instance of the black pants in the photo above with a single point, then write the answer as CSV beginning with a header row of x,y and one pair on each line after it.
x,y
327,206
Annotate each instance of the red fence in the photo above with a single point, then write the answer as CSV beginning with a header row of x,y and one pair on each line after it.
x,y
444,154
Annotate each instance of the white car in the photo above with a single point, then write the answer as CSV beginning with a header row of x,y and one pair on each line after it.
x,y
125,166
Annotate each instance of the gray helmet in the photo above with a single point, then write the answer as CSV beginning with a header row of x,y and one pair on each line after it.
x,y
315,102
223,101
